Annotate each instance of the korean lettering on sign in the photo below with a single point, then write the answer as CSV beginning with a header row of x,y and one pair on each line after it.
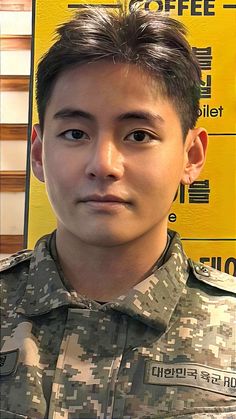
x,y
204,58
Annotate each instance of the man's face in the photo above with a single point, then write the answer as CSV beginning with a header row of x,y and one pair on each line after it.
x,y
113,154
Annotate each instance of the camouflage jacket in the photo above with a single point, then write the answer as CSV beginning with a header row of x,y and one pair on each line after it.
x,y
164,350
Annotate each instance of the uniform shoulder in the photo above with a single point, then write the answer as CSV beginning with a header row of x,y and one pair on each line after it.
x,y
213,277
15,259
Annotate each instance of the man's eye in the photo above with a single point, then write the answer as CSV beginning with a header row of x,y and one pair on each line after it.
x,y
140,136
74,135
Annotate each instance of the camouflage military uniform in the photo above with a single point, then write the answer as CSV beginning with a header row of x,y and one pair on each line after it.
x,y
164,350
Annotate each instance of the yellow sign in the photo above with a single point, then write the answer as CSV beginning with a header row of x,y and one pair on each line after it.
x,y
204,213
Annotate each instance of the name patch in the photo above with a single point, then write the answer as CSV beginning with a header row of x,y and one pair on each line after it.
x,y
8,362
192,375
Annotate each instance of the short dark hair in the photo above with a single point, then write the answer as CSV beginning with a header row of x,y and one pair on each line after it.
x,y
154,42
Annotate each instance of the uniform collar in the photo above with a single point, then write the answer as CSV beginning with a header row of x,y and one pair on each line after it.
x,y
152,301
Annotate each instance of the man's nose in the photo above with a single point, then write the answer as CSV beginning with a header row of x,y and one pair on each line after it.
x,y
105,160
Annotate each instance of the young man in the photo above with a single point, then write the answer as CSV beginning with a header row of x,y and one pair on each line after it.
x,y
107,318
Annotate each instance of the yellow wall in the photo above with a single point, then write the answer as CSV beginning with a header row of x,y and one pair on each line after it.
x,y
208,229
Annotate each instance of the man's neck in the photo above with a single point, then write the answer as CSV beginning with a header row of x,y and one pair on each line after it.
x,y
104,273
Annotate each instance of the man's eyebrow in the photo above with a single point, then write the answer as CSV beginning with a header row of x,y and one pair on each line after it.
x,y
68,113
144,115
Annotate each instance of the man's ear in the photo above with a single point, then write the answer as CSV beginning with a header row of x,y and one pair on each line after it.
x,y
195,154
36,153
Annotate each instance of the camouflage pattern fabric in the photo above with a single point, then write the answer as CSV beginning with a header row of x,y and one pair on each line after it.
x,y
167,349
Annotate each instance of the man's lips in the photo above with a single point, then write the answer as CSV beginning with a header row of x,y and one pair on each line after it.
x,y
105,203
104,198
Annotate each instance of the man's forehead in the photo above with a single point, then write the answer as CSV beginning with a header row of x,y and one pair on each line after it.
x,y
82,86
105,71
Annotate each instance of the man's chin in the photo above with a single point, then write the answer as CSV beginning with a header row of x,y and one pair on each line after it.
x,y
105,238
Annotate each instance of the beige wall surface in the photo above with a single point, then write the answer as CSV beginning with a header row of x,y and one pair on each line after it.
x,y
14,107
